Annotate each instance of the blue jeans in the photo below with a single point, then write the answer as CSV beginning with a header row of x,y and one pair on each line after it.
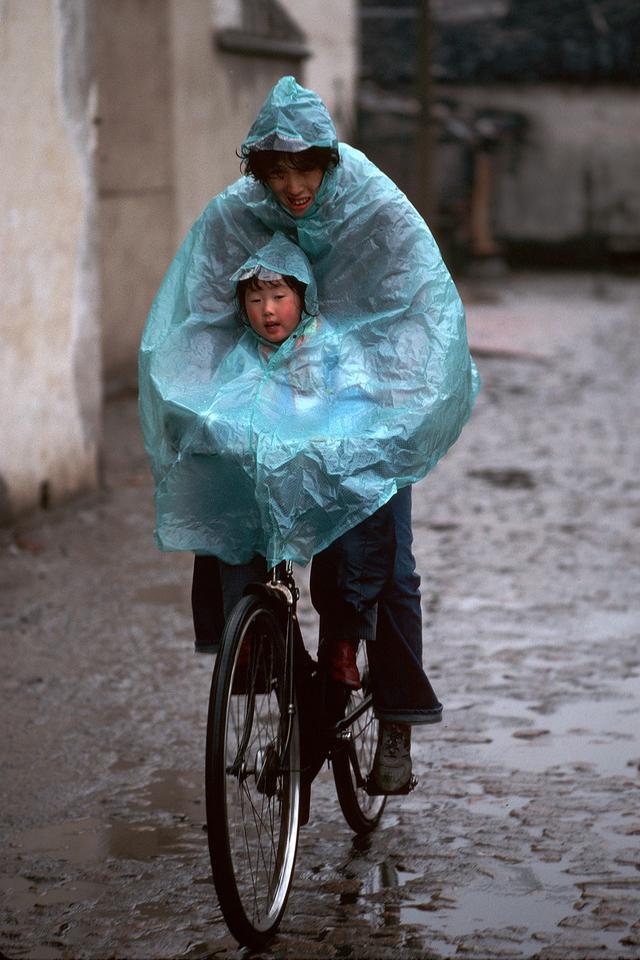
x,y
365,587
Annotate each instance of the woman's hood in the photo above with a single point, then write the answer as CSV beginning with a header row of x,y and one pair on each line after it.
x,y
291,119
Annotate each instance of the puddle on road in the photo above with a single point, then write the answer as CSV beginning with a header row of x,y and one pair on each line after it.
x,y
537,896
533,899
172,803
97,866
601,732
486,912
381,876
84,841
171,791
20,893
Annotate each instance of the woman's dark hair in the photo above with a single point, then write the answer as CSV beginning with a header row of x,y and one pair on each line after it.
x,y
253,283
260,163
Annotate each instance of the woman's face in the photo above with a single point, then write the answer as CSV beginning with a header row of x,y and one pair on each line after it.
x,y
294,189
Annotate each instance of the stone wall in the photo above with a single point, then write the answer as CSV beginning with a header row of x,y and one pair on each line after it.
x,y
574,176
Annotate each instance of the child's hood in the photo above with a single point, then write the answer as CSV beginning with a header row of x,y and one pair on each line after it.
x,y
280,256
291,119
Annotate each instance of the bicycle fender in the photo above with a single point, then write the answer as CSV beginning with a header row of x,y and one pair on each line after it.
x,y
281,594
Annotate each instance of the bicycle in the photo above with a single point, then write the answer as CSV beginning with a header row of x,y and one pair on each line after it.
x,y
263,751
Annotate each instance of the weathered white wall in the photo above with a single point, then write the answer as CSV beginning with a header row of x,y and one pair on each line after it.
x,y
577,168
331,70
217,94
135,172
215,98
173,109
119,121
50,386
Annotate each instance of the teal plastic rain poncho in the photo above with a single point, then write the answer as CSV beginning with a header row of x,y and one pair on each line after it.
x,y
278,452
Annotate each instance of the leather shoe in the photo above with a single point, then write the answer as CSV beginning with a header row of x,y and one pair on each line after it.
x,y
339,658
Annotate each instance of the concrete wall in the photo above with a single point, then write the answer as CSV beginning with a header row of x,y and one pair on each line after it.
x,y
331,70
576,172
121,119
217,94
136,180
215,98
173,110
50,384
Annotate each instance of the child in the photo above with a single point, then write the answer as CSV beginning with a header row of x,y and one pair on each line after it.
x,y
271,308
272,304
276,411
311,372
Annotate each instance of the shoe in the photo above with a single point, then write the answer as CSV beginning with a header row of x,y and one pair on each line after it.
x,y
339,659
391,771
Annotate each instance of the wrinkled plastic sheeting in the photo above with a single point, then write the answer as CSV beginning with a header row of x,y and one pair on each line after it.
x,y
279,455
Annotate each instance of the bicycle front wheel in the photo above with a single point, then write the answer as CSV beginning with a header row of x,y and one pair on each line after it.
x,y
353,759
252,773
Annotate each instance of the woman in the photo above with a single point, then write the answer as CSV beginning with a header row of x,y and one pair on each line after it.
x,y
381,279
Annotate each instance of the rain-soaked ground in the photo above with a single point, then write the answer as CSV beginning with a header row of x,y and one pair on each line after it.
x,y
522,838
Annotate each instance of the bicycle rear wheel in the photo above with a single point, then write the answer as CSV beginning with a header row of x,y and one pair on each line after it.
x,y
352,760
252,773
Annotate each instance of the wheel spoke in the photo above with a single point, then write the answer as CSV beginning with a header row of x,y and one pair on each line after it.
x,y
252,793
353,764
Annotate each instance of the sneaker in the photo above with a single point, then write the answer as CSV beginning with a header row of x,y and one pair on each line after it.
x,y
391,771
339,659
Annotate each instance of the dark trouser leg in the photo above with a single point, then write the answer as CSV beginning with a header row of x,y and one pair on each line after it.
x,y
401,688
215,590
373,565
235,577
206,604
346,579
349,575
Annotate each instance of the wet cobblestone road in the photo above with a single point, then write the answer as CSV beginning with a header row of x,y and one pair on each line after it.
x,y
522,838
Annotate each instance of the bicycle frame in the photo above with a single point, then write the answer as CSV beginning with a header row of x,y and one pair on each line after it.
x,y
282,586
267,704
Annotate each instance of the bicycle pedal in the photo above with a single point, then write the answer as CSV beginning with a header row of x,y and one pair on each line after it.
x,y
374,791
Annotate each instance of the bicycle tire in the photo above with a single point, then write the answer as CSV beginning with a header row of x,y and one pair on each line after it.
x,y
352,761
252,791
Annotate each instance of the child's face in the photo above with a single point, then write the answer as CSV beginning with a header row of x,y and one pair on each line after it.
x,y
294,189
273,310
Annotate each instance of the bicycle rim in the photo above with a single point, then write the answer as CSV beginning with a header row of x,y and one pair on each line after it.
x,y
352,761
252,781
